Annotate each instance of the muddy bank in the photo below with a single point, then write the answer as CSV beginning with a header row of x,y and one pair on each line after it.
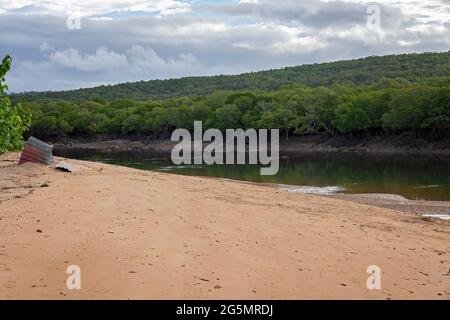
x,y
317,143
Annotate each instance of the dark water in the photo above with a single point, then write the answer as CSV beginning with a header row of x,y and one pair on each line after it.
x,y
414,177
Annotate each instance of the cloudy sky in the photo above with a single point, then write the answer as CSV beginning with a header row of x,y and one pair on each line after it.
x,y
62,44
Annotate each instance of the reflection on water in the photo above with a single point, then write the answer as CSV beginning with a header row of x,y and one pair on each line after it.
x,y
414,177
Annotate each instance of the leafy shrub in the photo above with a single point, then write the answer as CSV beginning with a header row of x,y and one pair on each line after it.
x,y
14,120
350,118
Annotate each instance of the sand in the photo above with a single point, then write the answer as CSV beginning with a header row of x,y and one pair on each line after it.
x,y
147,235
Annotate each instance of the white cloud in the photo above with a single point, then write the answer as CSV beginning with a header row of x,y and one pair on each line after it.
x,y
92,8
102,59
147,62
137,59
45,47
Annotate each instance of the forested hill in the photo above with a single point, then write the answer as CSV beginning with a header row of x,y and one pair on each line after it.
x,y
411,67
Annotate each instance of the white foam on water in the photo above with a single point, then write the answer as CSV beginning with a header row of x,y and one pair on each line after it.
x,y
314,190
430,186
439,216
170,168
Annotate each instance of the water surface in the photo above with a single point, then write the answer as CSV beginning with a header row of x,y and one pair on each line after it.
x,y
413,177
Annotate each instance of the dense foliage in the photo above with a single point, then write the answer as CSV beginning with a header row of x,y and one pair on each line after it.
x,y
389,105
14,120
410,67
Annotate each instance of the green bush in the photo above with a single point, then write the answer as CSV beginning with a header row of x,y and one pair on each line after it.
x,y
350,118
14,120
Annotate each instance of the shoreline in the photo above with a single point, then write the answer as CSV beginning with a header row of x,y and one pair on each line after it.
x,y
150,235
424,208
302,144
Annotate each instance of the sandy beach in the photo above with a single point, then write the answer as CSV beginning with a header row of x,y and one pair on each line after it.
x,y
147,235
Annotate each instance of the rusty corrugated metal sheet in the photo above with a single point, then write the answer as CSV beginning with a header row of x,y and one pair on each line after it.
x,y
37,151
69,167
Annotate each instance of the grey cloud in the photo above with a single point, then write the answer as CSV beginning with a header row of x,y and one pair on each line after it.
x,y
308,12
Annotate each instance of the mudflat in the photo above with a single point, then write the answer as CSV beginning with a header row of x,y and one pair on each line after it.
x,y
147,235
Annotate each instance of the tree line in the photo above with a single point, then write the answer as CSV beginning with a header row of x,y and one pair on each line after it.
x,y
390,105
